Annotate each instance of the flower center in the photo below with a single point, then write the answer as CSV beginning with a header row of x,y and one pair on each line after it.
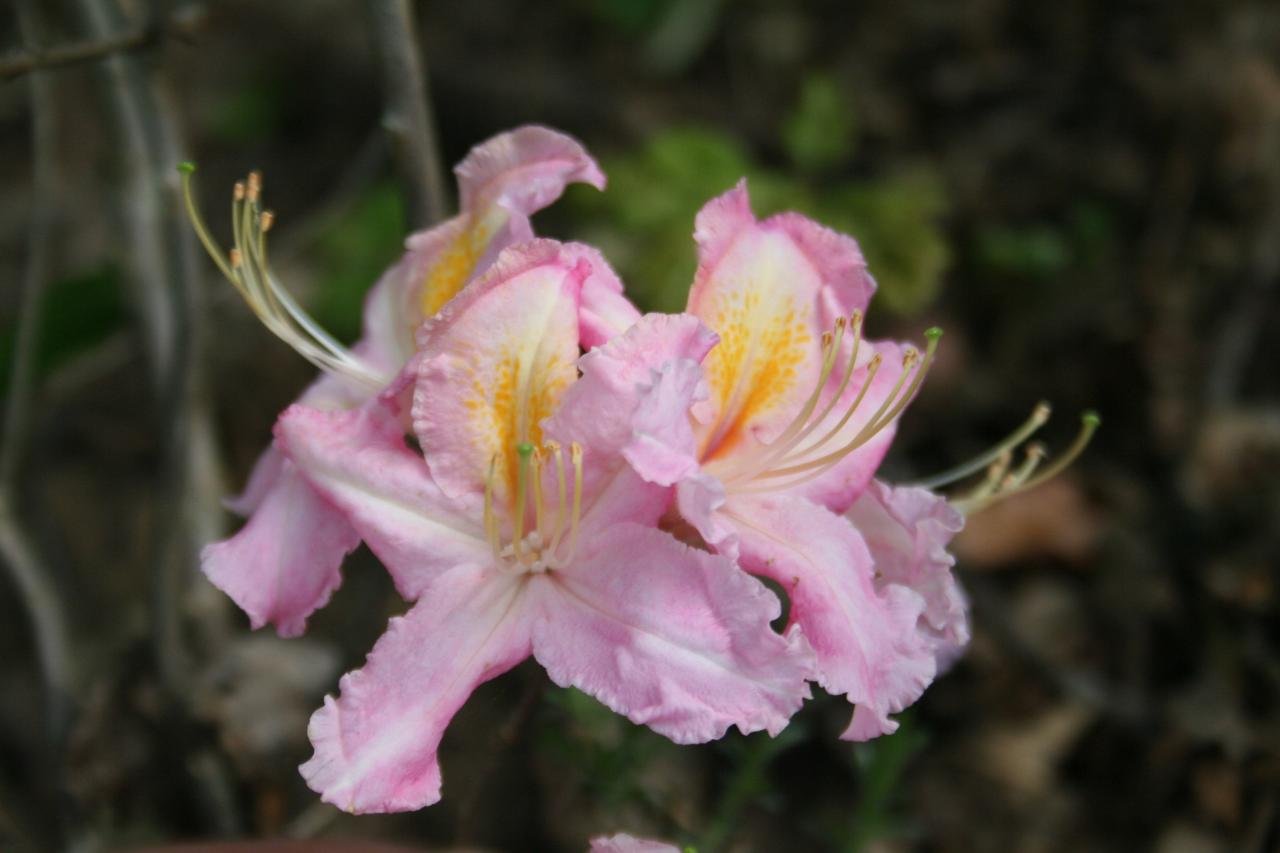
x,y
245,266
551,539
796,455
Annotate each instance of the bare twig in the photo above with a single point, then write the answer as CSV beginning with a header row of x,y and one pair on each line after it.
x,y
407,118
149,275
87,50
165,269
48,620
33,580
17,64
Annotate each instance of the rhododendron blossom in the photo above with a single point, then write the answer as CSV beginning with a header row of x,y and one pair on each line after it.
x,y
284,563
520,529
801,411
605,513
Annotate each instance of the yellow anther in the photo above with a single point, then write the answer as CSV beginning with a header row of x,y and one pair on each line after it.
x,y
255,185
265,220
237,191
236,259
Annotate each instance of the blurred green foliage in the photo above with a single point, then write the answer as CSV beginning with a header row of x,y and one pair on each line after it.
x,y
644,221
819,134
78,312
353,253
881,763
609,754
248,114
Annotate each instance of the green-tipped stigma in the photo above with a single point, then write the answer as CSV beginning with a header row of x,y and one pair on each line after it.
x,y
543,537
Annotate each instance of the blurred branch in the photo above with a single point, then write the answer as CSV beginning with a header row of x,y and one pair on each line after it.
x,y
34,581
407,118
138,38
15,65
165,270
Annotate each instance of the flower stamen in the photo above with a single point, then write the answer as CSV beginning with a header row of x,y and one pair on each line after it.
x,y
575,456
247,269
1039,417
538,549
895,401
490,518
1000,484
562,502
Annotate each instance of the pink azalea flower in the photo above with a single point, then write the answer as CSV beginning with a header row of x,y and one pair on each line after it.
x,y
284,563
520,530
623,843
800,412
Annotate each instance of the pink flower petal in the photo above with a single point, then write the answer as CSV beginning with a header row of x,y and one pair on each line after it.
x,y
838,486
605,311
865,639
674,638
285,562
359,462
699,499
623,843
769,290
266,471
634,395
375,746
394,306
907,530
502,183
524,170
495,364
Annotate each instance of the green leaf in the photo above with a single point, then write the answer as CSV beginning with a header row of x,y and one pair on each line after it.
x,y
819,134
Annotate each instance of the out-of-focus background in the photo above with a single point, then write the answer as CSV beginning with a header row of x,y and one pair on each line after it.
x,y
1084,194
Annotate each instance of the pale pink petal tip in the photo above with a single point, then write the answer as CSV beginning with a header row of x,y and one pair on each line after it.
x,y
908,529
285,562
375,745
720,222
524,170
623,843
836,256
